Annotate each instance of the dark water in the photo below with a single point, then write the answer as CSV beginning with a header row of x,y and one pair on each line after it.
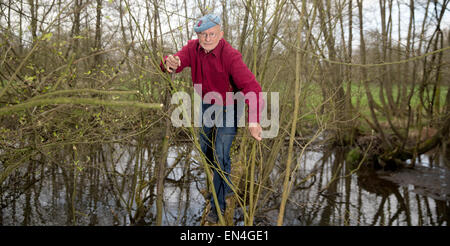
x,y
111,185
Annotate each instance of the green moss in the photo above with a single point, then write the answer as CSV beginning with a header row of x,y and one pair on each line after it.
x,y
353,156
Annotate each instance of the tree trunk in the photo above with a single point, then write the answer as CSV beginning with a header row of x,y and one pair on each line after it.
x,y
163,160
298,62
76,25
245,27
364,76
33,11
334,85
98,33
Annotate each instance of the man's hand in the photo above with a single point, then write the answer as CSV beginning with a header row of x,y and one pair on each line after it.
x,y
255,130
172,62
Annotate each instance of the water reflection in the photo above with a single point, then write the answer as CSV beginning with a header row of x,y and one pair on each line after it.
x,y
114,184
367,197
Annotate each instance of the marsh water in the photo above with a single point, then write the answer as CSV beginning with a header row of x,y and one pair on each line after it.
x,y
110,185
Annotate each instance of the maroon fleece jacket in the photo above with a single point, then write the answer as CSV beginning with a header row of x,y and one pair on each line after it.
x,y
221,70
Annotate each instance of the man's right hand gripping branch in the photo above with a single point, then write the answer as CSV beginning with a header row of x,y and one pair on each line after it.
x,y
172,63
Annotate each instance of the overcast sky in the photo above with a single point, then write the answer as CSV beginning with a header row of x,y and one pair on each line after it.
x,y
372,20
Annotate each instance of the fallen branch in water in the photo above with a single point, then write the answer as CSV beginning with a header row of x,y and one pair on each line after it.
x,y
72,91
75,100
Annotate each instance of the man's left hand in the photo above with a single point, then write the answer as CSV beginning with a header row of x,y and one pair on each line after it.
x,y
255,130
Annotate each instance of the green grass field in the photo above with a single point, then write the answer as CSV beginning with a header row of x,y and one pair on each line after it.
x,y
312,100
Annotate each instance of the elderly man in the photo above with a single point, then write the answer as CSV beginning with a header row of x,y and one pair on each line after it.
x,y
218,68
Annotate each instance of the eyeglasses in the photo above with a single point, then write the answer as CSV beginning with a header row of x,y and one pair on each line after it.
x,y
205,35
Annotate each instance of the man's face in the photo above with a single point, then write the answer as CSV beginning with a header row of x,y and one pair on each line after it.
x,y
210,38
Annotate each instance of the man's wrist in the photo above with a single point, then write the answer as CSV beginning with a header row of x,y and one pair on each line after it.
x,y
253,124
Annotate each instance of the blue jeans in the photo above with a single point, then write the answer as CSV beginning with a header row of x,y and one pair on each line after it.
x,y
215,142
